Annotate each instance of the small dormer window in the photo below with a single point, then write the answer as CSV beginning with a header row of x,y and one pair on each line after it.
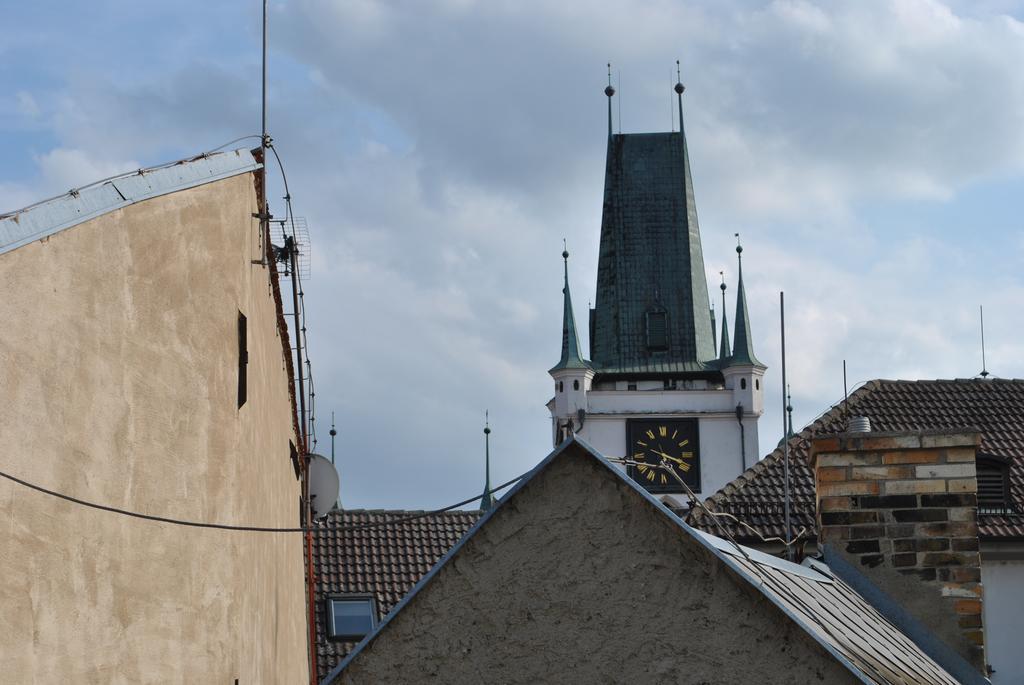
x,y
350,617
993,485
743,384
575,384
657,331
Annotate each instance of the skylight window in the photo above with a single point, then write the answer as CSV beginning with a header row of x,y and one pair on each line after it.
x,y
350,617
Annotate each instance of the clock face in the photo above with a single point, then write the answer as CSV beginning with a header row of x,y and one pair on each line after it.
x,y
653,442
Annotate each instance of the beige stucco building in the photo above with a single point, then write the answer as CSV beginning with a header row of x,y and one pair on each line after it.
x,y
144,366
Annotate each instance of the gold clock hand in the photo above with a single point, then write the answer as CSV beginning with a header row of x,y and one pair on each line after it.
x,y
666,456
683,466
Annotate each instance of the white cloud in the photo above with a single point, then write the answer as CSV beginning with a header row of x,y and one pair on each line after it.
x,y
441,151
26,104
64,169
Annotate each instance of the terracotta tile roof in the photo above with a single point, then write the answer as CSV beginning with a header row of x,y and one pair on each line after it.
x,y
377,552
993,406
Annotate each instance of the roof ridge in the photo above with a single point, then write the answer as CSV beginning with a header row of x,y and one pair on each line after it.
x,y
933,381
402,512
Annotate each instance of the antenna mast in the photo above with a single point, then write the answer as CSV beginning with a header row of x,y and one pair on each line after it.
x,y
619,79
846,398
333,433
785,437
984,366
263,93
609,92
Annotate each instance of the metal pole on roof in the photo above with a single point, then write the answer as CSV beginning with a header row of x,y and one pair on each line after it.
x,y
785,436
263,111
984,366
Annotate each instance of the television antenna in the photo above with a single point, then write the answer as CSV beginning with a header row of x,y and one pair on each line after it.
x,y
281,239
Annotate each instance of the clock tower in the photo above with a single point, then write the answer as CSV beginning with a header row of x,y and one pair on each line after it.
x,y
655,389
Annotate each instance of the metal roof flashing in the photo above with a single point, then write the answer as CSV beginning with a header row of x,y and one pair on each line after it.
x,y
46,218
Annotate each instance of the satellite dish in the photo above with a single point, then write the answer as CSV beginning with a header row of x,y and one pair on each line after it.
x,y
323,485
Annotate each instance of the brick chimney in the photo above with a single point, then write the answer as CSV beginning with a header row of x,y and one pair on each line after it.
x,y
902,507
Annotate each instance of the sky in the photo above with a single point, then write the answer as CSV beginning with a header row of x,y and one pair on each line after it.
x,y
871,155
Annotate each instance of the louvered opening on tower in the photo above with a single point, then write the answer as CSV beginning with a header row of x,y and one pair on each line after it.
x,y
657,331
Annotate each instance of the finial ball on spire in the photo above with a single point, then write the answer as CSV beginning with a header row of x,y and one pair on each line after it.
x,y
722,287
680,88
565,254
487,430
739,249
609,91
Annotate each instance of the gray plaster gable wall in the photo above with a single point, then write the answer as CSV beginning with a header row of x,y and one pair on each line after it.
x,y
578,578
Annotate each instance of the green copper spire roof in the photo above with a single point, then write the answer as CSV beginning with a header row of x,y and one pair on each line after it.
x,y
487,499
743,348
651,313
723,353
571,356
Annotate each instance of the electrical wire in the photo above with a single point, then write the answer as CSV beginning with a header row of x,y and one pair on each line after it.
x,y
231,142
757,533
694,501
375,524
249,529
301,339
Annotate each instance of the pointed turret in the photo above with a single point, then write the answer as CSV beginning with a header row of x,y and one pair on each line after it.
x,y
487,499
724,353
573,374
743,347
571,358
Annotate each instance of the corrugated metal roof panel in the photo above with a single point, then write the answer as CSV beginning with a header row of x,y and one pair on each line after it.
x,y
39,221
844,621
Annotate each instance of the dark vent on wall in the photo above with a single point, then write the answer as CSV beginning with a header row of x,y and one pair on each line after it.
x,y
293,454
993,486
243,358
657,331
